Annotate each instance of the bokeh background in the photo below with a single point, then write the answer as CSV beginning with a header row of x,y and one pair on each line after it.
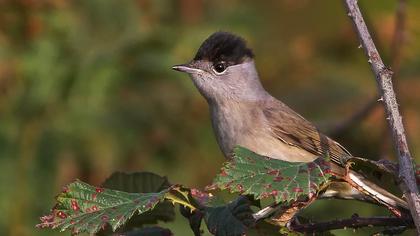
x,y
86,89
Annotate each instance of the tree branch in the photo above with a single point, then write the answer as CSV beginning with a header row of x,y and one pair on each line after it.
x,y
384,80
396,56
354,222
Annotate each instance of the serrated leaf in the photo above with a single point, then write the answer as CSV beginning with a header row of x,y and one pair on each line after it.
x,y
250,173
85,208
143,182
232,219
203,198
221,218
140,182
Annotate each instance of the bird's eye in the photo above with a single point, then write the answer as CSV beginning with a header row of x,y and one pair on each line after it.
x,y
219,67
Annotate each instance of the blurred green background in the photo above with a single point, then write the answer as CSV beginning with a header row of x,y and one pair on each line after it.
x,y
86,89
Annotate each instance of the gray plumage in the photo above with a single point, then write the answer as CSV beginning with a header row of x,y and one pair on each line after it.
x,y
244,113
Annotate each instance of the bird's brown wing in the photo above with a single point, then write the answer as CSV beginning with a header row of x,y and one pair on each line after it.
x,y
293,129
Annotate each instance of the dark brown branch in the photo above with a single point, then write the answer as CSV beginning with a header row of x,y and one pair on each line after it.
x,y
384,80
354,222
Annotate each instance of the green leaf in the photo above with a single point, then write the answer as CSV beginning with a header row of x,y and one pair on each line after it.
x,y
85,208
222,218
250,173
232,219
140,182
143,182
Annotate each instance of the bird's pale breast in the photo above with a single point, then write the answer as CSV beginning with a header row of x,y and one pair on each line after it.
x,y
244,124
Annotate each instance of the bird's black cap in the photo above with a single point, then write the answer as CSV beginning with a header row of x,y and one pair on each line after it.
x,y
224,46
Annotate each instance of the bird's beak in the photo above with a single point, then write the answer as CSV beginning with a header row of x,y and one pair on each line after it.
x,y
187,68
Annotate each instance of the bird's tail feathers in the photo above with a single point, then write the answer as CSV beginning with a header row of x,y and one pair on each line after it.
x,y
376,192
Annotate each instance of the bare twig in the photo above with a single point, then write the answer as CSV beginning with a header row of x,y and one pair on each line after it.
x,y
354,222
384,80
396,56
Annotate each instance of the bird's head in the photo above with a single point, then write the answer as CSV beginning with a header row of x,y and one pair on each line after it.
x,y
223,68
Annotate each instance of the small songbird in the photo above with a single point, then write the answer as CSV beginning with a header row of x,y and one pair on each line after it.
x,y
243,113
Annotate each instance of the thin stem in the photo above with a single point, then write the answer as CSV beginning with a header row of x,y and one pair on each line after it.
x,y
384,80
175,199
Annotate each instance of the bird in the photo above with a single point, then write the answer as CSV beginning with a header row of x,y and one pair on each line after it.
x,y
244,114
